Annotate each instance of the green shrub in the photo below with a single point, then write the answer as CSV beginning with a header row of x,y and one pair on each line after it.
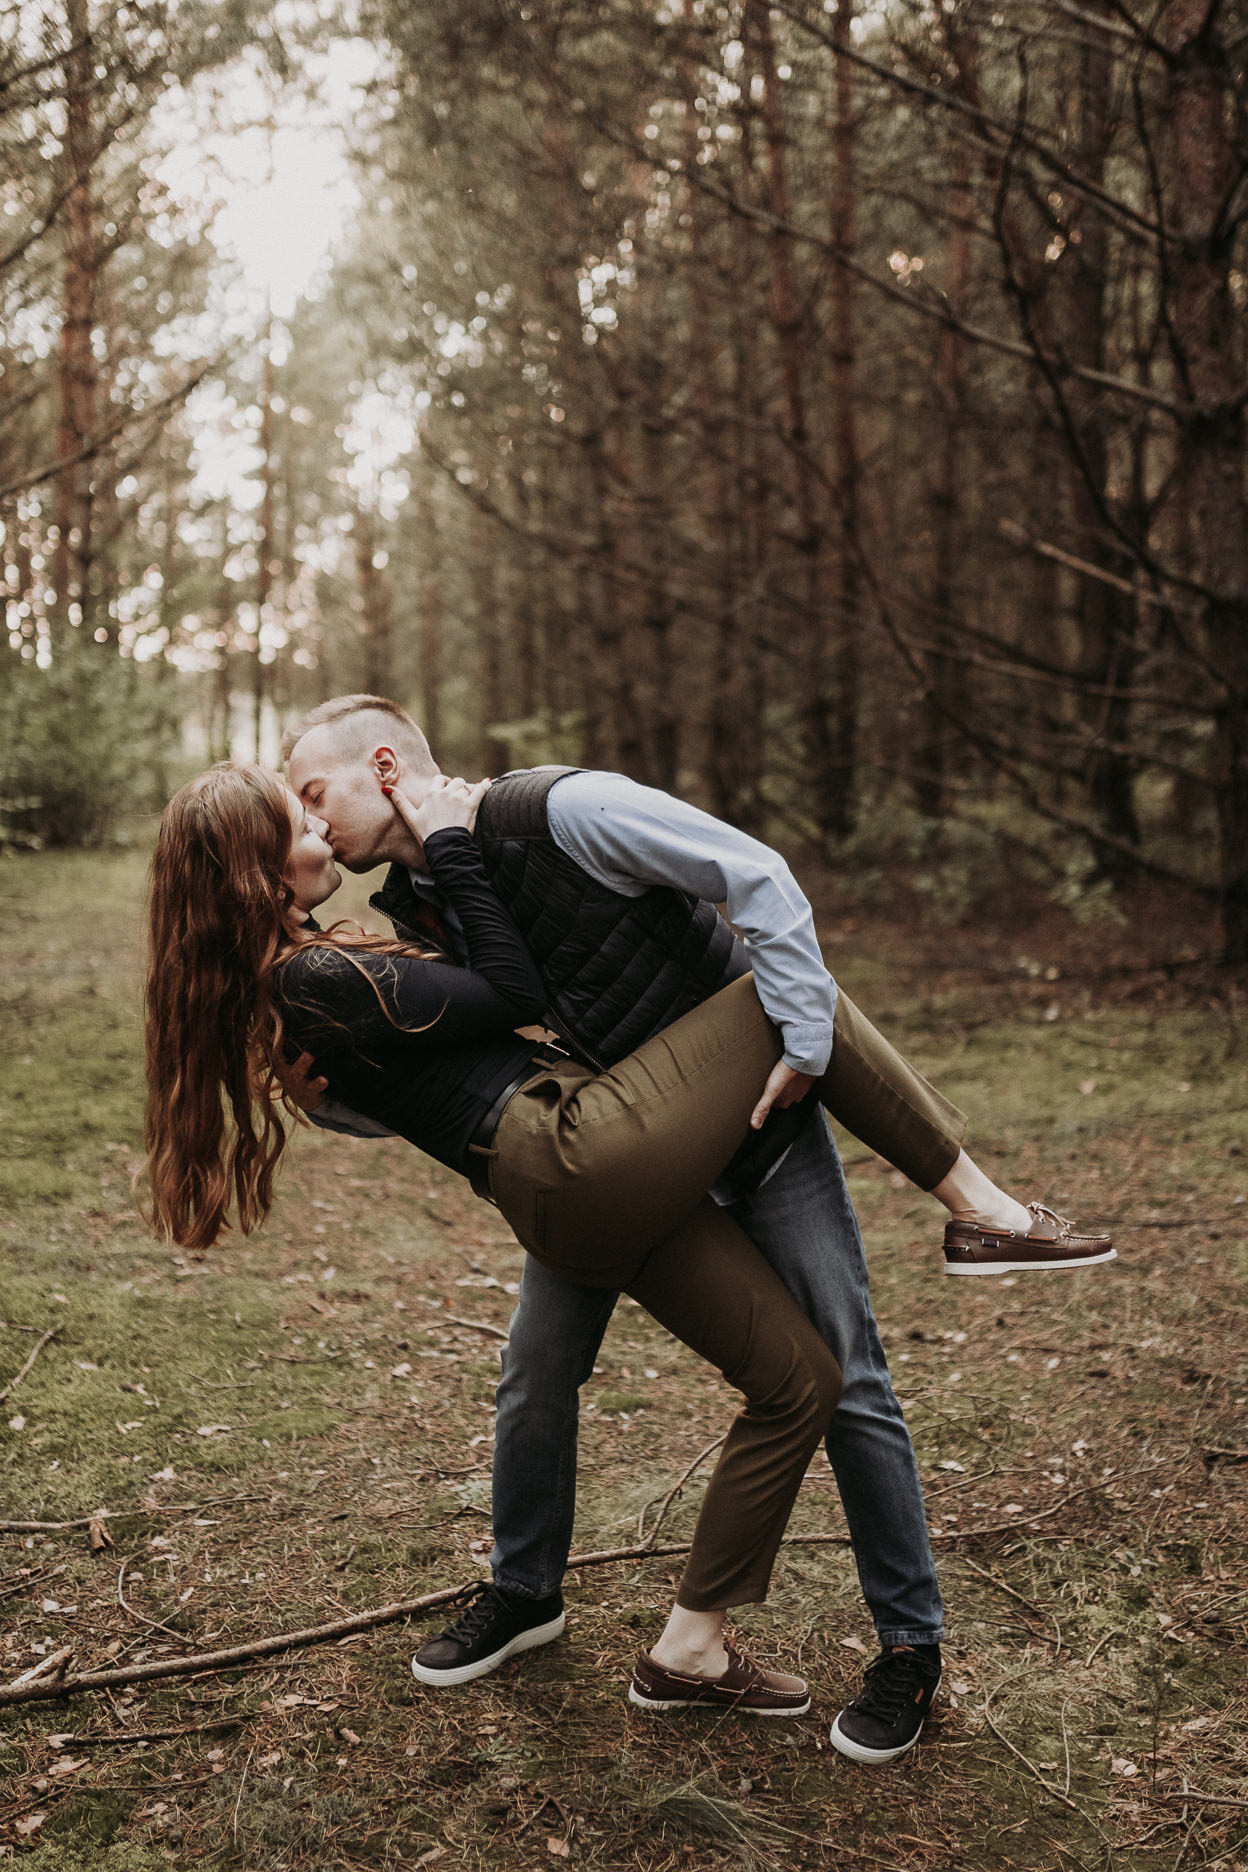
x,y
82,743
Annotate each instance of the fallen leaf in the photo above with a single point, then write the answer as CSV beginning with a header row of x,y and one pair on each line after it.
x,y
29,1823
854,1644
955,1468
1121,1766
98,1535
349,1735
1087,1087
400,1371
558,1849
65,1764
426,1858
19,1423
210,1429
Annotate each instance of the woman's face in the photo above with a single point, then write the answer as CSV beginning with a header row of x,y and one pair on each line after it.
x,y
310,870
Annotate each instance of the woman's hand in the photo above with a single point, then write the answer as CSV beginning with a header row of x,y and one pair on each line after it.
x,y
447,803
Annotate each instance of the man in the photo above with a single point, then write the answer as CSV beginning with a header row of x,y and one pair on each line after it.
x,y
614,887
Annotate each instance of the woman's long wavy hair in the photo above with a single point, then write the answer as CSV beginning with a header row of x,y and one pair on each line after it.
x,y
216,903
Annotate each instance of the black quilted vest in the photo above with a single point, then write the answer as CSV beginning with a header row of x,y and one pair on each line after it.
x,y
619,969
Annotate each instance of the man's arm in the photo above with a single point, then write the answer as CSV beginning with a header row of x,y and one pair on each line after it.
x,y
630,837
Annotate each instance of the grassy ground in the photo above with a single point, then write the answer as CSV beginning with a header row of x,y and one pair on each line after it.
x,y
299,1426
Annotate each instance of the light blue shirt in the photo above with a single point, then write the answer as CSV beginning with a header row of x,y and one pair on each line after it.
x,y
630,837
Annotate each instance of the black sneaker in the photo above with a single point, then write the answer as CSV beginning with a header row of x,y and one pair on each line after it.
x,y
888,1717
495,1626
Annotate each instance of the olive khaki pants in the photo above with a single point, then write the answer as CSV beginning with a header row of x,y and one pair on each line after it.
x,y
603,1178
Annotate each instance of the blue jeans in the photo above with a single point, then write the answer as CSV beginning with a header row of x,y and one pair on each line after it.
x,y
803,1222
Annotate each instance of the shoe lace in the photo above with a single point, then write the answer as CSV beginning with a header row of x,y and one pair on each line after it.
x,y
484,1602
891,1682
1040,1211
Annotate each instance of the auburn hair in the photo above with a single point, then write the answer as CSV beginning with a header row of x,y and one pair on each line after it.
x,y
216,937
215,933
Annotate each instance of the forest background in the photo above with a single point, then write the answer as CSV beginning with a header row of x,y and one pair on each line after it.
x,y
835,414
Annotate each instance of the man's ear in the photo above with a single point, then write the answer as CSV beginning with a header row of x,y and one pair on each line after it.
x,y
386,765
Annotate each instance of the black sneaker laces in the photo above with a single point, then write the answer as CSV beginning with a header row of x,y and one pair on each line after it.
x,y
486,1602
891,1682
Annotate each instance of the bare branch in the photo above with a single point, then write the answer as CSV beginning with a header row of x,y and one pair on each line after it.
x,y
101,441
18,1376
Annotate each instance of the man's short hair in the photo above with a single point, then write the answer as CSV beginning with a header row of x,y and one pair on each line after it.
x,y
356,734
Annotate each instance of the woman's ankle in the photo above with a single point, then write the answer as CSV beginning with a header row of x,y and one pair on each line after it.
x,y
692,1642
970,1196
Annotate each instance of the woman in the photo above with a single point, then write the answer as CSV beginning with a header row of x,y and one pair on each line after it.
x,y
602,1177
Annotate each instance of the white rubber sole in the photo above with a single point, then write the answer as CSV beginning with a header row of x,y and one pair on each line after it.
x,y
660,1704
1028,1267
523,1641
874,1758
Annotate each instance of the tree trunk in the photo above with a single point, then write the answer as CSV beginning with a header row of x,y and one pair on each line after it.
x,y
376,607
430,615
814,656
944,691
1207,337
264,545
837,783
76,423
1106,616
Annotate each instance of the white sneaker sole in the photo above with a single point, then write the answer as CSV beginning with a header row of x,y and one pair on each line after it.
x,y
1028,1267
872,1757
523,1641
636,1697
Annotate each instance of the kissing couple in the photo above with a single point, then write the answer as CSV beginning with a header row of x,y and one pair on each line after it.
x,y
666,1140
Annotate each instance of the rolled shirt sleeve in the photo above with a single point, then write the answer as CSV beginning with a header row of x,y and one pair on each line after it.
x,y
630,837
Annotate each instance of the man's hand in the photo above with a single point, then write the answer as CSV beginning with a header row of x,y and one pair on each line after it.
x,y
301,1090
784,1087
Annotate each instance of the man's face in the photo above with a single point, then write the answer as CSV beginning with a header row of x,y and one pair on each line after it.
x,y
346,793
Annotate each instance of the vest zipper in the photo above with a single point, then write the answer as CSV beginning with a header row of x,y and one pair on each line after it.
x,y
579,1049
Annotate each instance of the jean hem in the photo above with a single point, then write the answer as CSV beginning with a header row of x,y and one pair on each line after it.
x,y
520,1589
912,1637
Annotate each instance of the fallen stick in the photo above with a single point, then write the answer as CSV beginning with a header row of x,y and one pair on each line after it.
x,y
127,1514
499,1332
126,1738
50,1668
15,1381
203,1662
19,1692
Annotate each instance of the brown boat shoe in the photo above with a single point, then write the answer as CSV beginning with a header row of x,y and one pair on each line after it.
x,y
1050,1242
744,1686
